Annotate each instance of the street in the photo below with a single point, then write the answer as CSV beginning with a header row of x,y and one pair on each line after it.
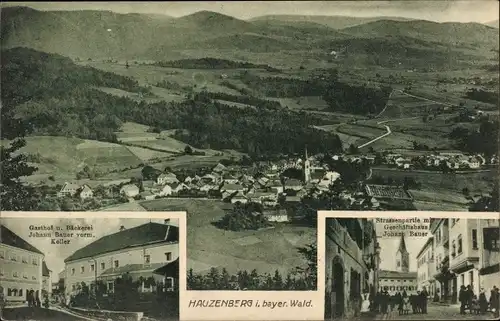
x,y
38,314
437,312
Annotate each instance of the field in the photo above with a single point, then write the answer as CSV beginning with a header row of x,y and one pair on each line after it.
x,y
266,250
474,181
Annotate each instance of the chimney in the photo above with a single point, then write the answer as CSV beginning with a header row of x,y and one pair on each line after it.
x,y
122,228
166,221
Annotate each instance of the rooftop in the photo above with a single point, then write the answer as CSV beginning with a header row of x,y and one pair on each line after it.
x,y
10,238
148,233
387,191
397,275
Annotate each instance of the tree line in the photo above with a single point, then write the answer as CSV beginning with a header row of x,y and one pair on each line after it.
x,y
212,63
300,278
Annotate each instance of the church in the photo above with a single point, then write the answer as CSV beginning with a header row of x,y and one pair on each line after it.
x,y
401,278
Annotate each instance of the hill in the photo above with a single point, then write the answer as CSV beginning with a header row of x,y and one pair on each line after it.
x,y
449,33
494,23
334,22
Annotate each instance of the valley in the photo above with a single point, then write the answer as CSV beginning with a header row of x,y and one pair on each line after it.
x,y
207,113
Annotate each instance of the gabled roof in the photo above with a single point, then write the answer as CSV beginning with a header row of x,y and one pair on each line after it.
x,y
86,188
219,167
136,236
10,238
234,187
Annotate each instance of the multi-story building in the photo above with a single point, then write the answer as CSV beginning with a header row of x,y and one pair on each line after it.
x,y
464,253
20,266
351,264
136,251
401,279
489,254
426,267
443,277
46,279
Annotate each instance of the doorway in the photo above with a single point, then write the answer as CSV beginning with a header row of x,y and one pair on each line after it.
x,y
337,290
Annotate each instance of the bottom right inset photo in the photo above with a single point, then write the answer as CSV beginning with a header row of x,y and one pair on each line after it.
x,y
381,267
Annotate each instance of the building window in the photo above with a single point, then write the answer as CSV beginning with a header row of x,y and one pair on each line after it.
x,y
24,259
111,287
82,269
454,249
471,278
34,261
147,259
462,279
2,255
404,280
103,265
25,276
15,274
474,239
33,278
169,284
398,263
491,237
459,244
117,264
2,273
168,256
73,271
92,268
20,292
13,257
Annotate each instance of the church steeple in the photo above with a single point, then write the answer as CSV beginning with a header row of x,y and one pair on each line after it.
x,y
307,168
402,244
402,256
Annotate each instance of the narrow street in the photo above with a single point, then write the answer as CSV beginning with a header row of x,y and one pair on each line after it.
x,y
437,312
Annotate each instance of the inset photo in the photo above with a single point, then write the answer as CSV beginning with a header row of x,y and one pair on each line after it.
x,y
412,268
89,268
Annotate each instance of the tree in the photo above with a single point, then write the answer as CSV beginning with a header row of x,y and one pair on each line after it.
x,y
353,149
277,281
188,150
310,273
14,195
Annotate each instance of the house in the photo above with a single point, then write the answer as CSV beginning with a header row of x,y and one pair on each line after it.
x,y
230,179
261,196
68,189
263,181
219,168
166,178
232,188
177,187
129,190
276,215
475,162
188,180
329,178
147,195
137,251
21,267
166,191
226,196
293,184
86,192
239,197
276,186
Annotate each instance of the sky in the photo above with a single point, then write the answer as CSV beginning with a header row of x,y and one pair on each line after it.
x,y
440,11
389,246
55,254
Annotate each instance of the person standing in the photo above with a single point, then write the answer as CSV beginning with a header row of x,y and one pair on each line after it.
x,y
462,298
424,300
494,301
483,303
470,296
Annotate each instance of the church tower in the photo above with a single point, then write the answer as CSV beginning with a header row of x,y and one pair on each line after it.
x,y
307,169
402,256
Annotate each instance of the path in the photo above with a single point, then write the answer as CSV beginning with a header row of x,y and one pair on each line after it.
x,y
436,312
378,138
427,99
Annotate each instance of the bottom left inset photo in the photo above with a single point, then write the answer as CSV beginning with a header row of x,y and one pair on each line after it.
x,y
108,267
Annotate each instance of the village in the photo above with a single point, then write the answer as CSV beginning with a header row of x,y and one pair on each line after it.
x,y
274,183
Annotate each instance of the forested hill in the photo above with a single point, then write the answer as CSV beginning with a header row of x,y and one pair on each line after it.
x,y
56,97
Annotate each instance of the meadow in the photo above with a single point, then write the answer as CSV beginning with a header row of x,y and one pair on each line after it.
x,y
265,250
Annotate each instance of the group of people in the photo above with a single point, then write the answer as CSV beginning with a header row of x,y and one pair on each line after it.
x,y
33,299
384,303
478,304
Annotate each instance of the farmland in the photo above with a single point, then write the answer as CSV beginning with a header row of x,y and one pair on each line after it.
x,y
208,246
